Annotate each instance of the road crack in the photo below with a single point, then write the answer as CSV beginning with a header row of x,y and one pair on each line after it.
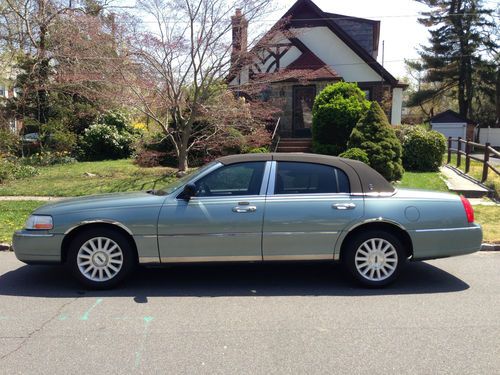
x,y
39,329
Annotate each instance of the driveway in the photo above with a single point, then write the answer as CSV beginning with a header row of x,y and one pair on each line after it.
x,y
441,317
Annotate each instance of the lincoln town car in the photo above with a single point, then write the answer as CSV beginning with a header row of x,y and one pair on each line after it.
x,y
254,208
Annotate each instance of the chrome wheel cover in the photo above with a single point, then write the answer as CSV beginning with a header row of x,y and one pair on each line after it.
x,y
100,259
376,259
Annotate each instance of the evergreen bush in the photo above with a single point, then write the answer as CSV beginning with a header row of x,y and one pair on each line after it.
x,y
374,135
336,111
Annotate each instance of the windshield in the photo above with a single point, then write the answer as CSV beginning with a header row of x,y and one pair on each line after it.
x,y
176,184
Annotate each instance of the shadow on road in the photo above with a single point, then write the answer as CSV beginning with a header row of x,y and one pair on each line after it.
x,y
297,279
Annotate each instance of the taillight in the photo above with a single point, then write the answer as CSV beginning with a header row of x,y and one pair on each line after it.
x,y
469,211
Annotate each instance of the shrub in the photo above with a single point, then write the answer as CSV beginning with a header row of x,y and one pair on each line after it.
x,y
57,137
336,111
258,150
374,135
10,143
46,158
148,158
355,154
423,150
12,169
101,142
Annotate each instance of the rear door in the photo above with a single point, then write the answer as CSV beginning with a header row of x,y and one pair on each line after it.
x,y
307,207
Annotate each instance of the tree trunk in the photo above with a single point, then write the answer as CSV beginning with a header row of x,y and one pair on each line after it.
x,y
497,99
183,159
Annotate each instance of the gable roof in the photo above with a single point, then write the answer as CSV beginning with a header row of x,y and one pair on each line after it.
x,y
449,116
304,13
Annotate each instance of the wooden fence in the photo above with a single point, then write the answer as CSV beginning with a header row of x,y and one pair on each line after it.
x,y
465,147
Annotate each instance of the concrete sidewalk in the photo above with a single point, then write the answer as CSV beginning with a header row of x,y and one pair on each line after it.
x,y
459,182
30,198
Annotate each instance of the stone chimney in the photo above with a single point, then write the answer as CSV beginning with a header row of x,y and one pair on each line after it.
x,y
240,36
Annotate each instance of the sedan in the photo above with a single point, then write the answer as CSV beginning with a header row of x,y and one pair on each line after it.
x,y
254,208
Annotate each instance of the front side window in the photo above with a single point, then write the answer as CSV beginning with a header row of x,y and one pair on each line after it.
x,y
232,180
309,178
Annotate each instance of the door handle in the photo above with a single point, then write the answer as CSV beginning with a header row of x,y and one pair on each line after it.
x,y
344,206
244,207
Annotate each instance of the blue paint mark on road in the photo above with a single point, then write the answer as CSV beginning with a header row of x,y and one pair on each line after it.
x,y
63,317
85,316
138,354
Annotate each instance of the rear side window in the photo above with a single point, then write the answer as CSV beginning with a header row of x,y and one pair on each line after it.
x,y
309,178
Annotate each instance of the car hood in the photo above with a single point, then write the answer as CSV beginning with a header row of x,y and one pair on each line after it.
x,y
101,201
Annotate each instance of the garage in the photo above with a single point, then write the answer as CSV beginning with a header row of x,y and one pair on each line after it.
x,y
451,124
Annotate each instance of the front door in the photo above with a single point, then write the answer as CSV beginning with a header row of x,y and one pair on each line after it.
x,y
306,211
303,100
222,222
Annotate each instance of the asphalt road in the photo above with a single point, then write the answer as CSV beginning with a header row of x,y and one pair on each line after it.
x,y
441,317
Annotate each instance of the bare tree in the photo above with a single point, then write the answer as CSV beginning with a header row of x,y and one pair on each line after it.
x,y
181,60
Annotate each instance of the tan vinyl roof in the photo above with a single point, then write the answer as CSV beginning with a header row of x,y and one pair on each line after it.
x,y
363,179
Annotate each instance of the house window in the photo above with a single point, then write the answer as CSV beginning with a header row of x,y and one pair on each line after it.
x,y
3,91
368,94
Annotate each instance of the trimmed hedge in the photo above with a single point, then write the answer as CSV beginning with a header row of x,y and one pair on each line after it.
x,y
355,154
336,111
423,150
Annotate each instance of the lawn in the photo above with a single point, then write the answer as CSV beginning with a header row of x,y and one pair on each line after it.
x,y
422,180
85,178
13,215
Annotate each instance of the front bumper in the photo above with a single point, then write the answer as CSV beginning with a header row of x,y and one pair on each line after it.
x,y
37,247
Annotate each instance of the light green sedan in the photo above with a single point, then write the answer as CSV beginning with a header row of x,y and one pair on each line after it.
x,y
254,208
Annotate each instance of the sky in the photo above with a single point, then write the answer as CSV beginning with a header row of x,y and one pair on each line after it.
x,y
398,27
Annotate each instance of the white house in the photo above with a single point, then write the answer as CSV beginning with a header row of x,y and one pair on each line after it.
x,y
321,48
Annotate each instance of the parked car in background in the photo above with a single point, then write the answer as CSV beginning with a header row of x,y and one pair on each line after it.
x,y
254,208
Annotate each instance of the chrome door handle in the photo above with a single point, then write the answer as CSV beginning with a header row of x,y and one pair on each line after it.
x,y
244,207
343,206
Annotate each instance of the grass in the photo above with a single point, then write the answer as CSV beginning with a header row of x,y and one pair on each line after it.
x,y
489,218
422,180
13,215
70,180
476,171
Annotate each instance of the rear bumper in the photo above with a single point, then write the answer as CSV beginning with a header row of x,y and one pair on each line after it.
x,y
446,242
37,247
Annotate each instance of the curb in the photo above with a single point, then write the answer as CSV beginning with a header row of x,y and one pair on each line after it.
x,y
490,247
5,247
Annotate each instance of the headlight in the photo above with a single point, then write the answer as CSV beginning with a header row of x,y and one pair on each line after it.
x,y
39,222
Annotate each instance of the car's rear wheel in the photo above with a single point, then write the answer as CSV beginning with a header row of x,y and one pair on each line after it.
x,y
375,258
101,258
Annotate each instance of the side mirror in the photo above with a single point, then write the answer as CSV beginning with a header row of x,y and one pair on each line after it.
x,y
189,191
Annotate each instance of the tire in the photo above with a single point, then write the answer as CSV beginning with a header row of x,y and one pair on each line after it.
x,y
375,258
101,258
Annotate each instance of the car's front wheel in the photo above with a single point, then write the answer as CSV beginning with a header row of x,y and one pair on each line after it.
x,y
375,258
100,258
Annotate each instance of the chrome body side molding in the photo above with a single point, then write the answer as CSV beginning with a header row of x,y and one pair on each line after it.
x,y
97,221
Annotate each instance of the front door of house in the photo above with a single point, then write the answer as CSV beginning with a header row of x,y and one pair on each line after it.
x,y
303,100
